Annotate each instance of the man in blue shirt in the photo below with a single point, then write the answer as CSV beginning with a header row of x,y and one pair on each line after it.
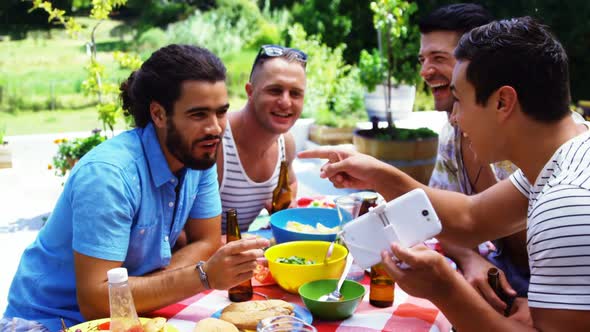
x,y
127,200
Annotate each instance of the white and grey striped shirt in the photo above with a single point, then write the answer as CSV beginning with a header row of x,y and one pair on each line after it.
x,y
558,228
240,192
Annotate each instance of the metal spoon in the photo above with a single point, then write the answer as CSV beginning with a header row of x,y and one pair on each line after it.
x,y
335,295
329,252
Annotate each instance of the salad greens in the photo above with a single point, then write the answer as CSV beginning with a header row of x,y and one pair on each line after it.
x,y
295,260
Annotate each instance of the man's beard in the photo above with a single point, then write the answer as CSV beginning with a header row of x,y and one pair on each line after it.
x,y
183,152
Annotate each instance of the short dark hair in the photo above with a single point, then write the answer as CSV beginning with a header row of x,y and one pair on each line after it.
x,y
459,17
520,53
160,77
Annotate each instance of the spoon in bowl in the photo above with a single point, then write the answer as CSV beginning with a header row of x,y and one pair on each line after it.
x,y
329,252
335,295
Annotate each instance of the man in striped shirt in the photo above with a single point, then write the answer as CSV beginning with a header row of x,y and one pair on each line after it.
x,y
256,138
511,89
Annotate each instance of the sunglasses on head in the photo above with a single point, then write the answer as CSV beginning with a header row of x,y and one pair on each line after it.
x,y
271,51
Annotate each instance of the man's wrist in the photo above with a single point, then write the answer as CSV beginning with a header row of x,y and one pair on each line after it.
x,y
203,275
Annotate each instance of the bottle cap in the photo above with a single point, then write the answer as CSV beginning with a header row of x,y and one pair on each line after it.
x,y
117,275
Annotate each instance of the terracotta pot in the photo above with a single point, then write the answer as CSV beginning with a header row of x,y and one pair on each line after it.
x,y
416,157
5,156
324,135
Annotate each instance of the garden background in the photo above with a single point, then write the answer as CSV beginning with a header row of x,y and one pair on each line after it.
x,y
43,70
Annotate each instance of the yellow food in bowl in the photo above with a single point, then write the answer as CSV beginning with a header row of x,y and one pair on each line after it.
x,y
318,229
291,276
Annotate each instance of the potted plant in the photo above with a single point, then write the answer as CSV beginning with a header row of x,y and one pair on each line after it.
x,y
70,151
384,71
333,96
5,153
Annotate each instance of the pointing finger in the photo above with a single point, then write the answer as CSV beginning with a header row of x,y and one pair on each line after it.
x,y
315,153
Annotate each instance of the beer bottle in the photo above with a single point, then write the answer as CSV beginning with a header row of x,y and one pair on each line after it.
x,y
369,200
494,282
281,195
382,287
242,292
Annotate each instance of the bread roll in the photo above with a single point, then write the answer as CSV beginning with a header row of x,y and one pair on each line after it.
x,y
246,315
214,325
157,324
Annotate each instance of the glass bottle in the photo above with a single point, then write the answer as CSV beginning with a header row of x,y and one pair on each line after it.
x,y
494,282
123,314
282,195
382,287
369,200
242,292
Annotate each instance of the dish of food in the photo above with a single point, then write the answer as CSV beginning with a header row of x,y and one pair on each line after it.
x,y
295,260
246,315
319,228
157,324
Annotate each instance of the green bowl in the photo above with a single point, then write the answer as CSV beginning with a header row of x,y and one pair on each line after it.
x,y
352,291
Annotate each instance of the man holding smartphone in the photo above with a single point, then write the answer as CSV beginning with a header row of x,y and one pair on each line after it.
x,y
457,168
511,90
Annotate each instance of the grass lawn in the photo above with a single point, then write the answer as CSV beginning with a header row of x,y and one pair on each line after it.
x,y
45,122
41,79
61,121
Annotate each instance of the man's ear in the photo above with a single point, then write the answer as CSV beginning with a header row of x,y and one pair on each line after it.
x,y
506,101
249,89
158,114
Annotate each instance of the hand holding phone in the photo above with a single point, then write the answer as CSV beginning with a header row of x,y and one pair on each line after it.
x,y
408,220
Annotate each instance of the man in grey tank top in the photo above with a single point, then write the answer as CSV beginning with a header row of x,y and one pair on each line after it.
x,y
256,139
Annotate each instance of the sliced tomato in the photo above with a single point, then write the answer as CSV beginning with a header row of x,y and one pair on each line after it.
x,y
262,274
106,326
304,201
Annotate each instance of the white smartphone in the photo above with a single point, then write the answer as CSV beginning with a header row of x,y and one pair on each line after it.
x,y
408,220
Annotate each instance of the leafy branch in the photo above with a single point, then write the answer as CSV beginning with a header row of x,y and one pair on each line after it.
x,y
106,93
96,83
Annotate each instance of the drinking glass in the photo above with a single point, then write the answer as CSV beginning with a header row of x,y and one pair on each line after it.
x,y
348,208
284,323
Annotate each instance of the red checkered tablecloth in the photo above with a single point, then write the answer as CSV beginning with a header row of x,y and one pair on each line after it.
x,y
407,313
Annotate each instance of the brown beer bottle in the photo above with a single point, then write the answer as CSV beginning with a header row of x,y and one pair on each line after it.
x,y
242,292
494,282
382,286
369,200
282,195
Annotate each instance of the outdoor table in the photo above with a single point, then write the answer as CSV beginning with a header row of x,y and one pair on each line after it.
x,y
408,313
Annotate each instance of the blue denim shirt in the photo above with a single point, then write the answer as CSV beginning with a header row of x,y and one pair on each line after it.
x,y
117,205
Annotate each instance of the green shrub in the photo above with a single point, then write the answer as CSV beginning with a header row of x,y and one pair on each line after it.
x,y
372,69
333,96
203,29
151,40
